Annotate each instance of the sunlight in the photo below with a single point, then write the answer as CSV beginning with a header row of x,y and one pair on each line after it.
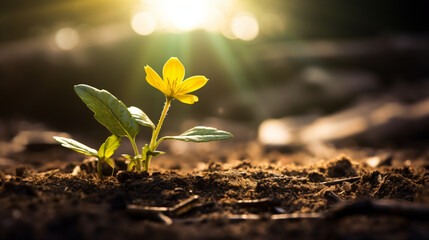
x,y
186,15
275,132
143,23
223,16
66,38
245,26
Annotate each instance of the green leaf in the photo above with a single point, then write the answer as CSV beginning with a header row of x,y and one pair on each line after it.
x,y
109,146
76,146
110,162
146,152
201,134
108,110
155,153
127,156
141,117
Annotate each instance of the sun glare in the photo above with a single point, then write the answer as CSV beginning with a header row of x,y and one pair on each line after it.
x,y
223,16
186,15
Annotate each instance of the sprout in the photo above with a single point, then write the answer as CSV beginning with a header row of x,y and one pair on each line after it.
x,y
123,121
103,154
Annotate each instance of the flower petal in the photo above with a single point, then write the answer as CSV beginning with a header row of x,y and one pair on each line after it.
x,y
173,74
154,79
187,98
191,84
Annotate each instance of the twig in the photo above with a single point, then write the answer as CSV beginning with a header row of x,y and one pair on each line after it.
x,y
142,210
158,213
296,216
333,196
185,206
257,203
242,217
366,207
152,213
352,179
165,219
50,172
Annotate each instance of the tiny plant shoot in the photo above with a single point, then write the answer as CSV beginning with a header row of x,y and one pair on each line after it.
x,y
103,154
124,122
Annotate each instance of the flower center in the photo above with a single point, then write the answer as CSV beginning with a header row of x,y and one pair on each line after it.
x,y
173,87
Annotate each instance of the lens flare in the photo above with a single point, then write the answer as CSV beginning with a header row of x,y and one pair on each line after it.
x,y
227,17
245,26
66,38
143,23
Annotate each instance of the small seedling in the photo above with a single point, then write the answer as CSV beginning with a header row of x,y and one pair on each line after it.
x,y
103,154
124,122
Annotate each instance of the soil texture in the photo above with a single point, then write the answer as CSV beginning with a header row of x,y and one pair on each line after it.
x,y
341,198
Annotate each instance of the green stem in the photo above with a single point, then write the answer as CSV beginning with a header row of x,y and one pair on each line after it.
x,y
100,173
146,163
153,141
159,142
136,152
155,134
133,142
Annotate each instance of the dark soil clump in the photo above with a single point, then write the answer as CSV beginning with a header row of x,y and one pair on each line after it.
x,y
341,167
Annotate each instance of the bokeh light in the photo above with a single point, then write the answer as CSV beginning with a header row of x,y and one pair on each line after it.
x,y
143,23
275,132
226,17
66,38
245,26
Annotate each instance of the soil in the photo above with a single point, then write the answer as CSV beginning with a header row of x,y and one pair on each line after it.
x,y
229,191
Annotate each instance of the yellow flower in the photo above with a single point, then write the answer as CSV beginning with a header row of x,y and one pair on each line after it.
x,y
173,85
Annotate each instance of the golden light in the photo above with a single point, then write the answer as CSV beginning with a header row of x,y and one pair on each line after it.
x,y
331,128
143,23
387,113
245,26
227,17
227,31
214,20
275,132
186,15
66,38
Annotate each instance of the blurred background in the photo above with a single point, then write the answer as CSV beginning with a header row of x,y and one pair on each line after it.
x,y
285,72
